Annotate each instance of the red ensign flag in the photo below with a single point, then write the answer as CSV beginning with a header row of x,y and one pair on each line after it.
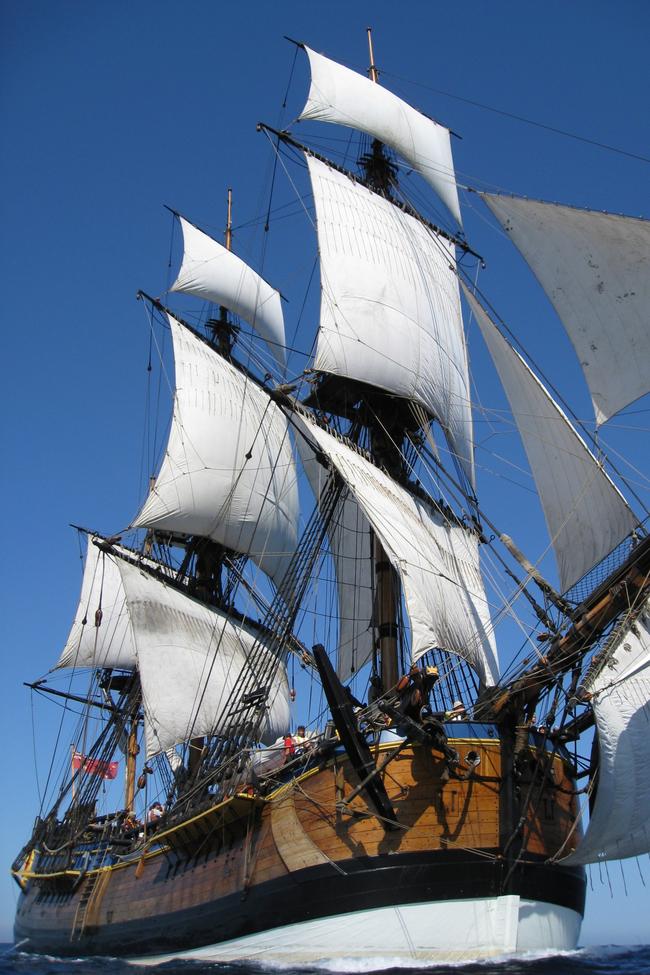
x,y
107,770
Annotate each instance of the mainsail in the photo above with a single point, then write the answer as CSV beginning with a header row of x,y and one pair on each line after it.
x,y
100,635
595,268
437,561
191,657
344,97
349,535
620,692
228,473
586,514
213,273
390,307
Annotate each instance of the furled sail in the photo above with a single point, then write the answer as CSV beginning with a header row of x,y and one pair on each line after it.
x,y
101,633
437,561
191,657
213,273
344,97
349,536
619,827
390,307
228,472
585,513
595,268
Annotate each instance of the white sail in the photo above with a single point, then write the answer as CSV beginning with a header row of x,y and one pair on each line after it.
x,y
585,513
595,268
191,658
438,562
213,273
101,632
390,307
228,472
344,97
349,536
619,827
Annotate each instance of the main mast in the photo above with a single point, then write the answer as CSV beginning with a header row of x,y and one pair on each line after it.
x,y
381,175
389,305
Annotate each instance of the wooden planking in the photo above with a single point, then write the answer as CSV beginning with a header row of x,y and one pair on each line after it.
x,y
551,814
300,826
436,814
297,851
190,886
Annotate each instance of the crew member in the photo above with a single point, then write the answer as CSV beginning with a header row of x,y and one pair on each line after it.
x,y
414,689
458,712
300,740
156,811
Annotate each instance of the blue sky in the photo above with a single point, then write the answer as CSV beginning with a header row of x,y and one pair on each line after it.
x,y
111,110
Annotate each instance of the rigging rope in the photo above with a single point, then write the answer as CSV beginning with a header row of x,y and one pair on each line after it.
x,y
242,716
522,118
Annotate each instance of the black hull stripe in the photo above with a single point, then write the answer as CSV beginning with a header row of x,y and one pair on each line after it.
x,y
313,893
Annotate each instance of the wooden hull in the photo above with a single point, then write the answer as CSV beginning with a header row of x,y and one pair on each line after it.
x,y
251,866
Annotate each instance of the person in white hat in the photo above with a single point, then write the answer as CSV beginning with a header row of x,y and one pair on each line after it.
x,y
457,713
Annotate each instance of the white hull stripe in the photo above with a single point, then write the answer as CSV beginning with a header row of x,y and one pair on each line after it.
x,y
440,931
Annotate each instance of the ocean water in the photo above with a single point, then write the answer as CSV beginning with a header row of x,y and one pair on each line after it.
x,y
602,960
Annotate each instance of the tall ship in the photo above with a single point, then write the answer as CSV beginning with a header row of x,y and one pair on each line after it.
x,y
321,536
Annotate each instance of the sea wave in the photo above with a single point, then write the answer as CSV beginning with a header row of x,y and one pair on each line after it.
x,y
595,960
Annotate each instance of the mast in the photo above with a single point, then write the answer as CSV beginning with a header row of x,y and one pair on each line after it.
x,y
381,175
132,750
223,331
373,74
228,234
370,301
386,609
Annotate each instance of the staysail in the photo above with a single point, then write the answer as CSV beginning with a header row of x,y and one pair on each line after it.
x,y
228,473
390,306
213,273
595,268
437,561
620,691
191,657
586,514
343,97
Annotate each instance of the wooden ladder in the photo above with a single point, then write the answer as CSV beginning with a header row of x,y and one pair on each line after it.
x,y
91,895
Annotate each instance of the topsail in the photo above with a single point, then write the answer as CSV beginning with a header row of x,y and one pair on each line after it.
x,y
344,97
390,308
228,472
212,272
